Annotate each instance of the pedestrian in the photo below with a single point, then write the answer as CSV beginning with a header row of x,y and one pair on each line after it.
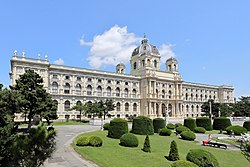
x,y
209,137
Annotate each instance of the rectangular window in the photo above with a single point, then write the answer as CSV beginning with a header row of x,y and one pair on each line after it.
x,y
66,77
54,76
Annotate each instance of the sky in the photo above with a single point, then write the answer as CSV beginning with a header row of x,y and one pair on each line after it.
x,y
210,39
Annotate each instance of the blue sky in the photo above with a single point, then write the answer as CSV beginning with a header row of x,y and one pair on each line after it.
x,y
210,39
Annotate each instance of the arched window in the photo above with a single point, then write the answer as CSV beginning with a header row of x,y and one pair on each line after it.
x,y
55,102
174,67
99,90
186,96
192,108
206,97
214,97
135,65
126,107
187,108
134,107
155,63
157,93
78,89
133,93
169,67
192,96
170,94
210,97
163,94
117,92
201,98
196,97
148,62
89,90
118,106
66,105
197,108
108,91
78,102
143,63
67,88
126,92
54,87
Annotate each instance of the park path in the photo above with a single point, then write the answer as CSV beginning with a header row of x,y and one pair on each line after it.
x,y
65,155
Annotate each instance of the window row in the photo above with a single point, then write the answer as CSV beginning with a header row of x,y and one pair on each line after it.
x,y
197,97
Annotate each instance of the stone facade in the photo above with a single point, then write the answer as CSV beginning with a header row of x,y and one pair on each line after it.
x,y
145,91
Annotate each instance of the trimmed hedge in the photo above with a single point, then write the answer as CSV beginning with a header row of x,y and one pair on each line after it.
x,y
117,128
183,163
199,130
247,125
188,135
95,141
165,132
202,158
143,126
170,126
82,141
158,124
236,129
204,122
181,129
106,126
178,125
190,123
221,123
129,140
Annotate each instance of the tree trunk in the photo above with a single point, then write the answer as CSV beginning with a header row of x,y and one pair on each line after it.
x,y
29,125
80,116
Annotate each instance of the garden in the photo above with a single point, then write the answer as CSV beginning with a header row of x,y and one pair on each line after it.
x,y
150,143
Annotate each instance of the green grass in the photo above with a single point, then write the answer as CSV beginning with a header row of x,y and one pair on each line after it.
x,y
111,154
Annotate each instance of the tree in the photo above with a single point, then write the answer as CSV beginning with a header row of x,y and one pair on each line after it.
x,y
35,99
242,107
245,149
34,148
173,153
109,106
146,146
80,107
205,108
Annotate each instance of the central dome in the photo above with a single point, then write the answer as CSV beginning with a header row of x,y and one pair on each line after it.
x,y
145,48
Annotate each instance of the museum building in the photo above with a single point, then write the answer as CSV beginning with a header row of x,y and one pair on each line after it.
x,y
146,91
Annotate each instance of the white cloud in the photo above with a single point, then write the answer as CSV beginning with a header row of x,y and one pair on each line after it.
x,y
59,61
166,51
112,47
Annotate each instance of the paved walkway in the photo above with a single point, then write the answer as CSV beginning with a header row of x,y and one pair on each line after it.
x,y
65,156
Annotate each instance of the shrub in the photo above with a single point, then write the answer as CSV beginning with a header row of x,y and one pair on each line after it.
x,y
190,123
170,126
202,158
106,126
204,122
95,141
181,129
221,123
82,141
236,129
183,163
247,125
146,146
143,126
117,128
173,153
199,130
188,135
165,132
178,125
158,124
129,140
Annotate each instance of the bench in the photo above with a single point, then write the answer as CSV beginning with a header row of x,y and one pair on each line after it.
x,y
214,144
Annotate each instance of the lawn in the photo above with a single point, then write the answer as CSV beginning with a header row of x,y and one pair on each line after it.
x,y
111,154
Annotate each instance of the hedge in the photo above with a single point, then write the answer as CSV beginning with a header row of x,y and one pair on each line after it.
x,y
238,130
221,123
188,135
183,163
199,130
181,129
82,141
129,140
95,141
143,126
204,122
106,126
190,123
170,126
248,146
247,125
165,132
158,124
202,158
117,128
178,125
